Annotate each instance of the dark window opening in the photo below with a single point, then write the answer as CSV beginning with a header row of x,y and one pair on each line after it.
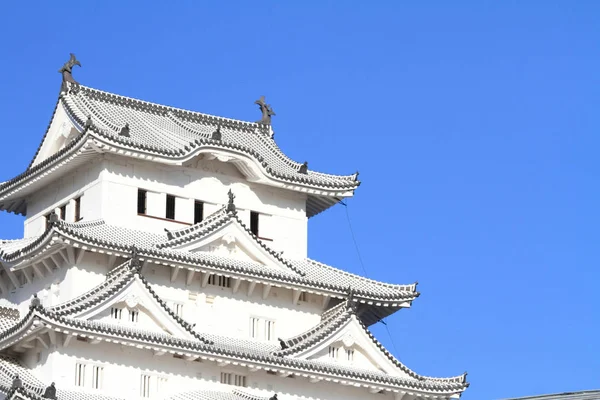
x,y
170,207
219,280
77,209
198,211
63,212
141,205
254,222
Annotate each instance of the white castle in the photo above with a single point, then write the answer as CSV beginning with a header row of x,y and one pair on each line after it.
x,y
165,257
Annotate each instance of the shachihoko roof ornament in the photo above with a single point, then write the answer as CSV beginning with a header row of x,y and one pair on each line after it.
x,y
266,110
66,72
303,168
230,203
50,392
216,135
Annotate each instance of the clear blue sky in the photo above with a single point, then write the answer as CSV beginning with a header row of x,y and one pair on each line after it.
x,y
475,128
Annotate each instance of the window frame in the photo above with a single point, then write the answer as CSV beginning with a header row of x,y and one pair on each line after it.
x,y
198,211
142,202
170,207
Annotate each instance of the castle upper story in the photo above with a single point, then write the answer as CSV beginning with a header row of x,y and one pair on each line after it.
x,y
142,165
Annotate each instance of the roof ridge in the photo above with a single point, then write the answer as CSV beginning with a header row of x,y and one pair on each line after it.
x,y
89,298
157,106
318,332
177,236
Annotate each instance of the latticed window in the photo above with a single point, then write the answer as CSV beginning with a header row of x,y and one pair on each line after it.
x,y
116,313
227,378
134,315
178,309
334,352
79,374
97,376
262,329
350,354
145,386
219,280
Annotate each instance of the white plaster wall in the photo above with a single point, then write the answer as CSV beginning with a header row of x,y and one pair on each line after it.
x,y
108,189
63,284
207,181
220,311
124,365
84,182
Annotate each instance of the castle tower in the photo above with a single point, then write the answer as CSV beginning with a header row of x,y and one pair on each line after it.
x,y
165,257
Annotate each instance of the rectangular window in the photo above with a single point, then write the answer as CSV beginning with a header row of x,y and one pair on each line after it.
x,y
116,313
254,222
77,209
63,212
269,330
303,297
262,329
225,378
239,380
161,384
254,324
219,280
177,309
145,386
97,377
141,202
198,211
134,315
350,354
228,378
333,352
79,374
170,213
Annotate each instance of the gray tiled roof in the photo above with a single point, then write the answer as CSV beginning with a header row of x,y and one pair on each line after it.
x,y
307,273
205,344
33,387
175,132
582,395
172,134
331,323
232,394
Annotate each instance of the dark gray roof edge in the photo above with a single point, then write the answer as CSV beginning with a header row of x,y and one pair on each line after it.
x,y
578,395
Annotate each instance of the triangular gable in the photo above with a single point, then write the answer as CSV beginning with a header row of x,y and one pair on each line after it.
x,y
224,234
134,302
343,339
61,131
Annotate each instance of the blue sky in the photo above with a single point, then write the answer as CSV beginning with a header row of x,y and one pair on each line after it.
x,y
474,126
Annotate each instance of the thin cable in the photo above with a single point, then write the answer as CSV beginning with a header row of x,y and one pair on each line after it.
x,y
354,240
362,265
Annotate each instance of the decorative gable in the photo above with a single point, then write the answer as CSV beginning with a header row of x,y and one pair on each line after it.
x,y
351,346
223,234
61,131
127,299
